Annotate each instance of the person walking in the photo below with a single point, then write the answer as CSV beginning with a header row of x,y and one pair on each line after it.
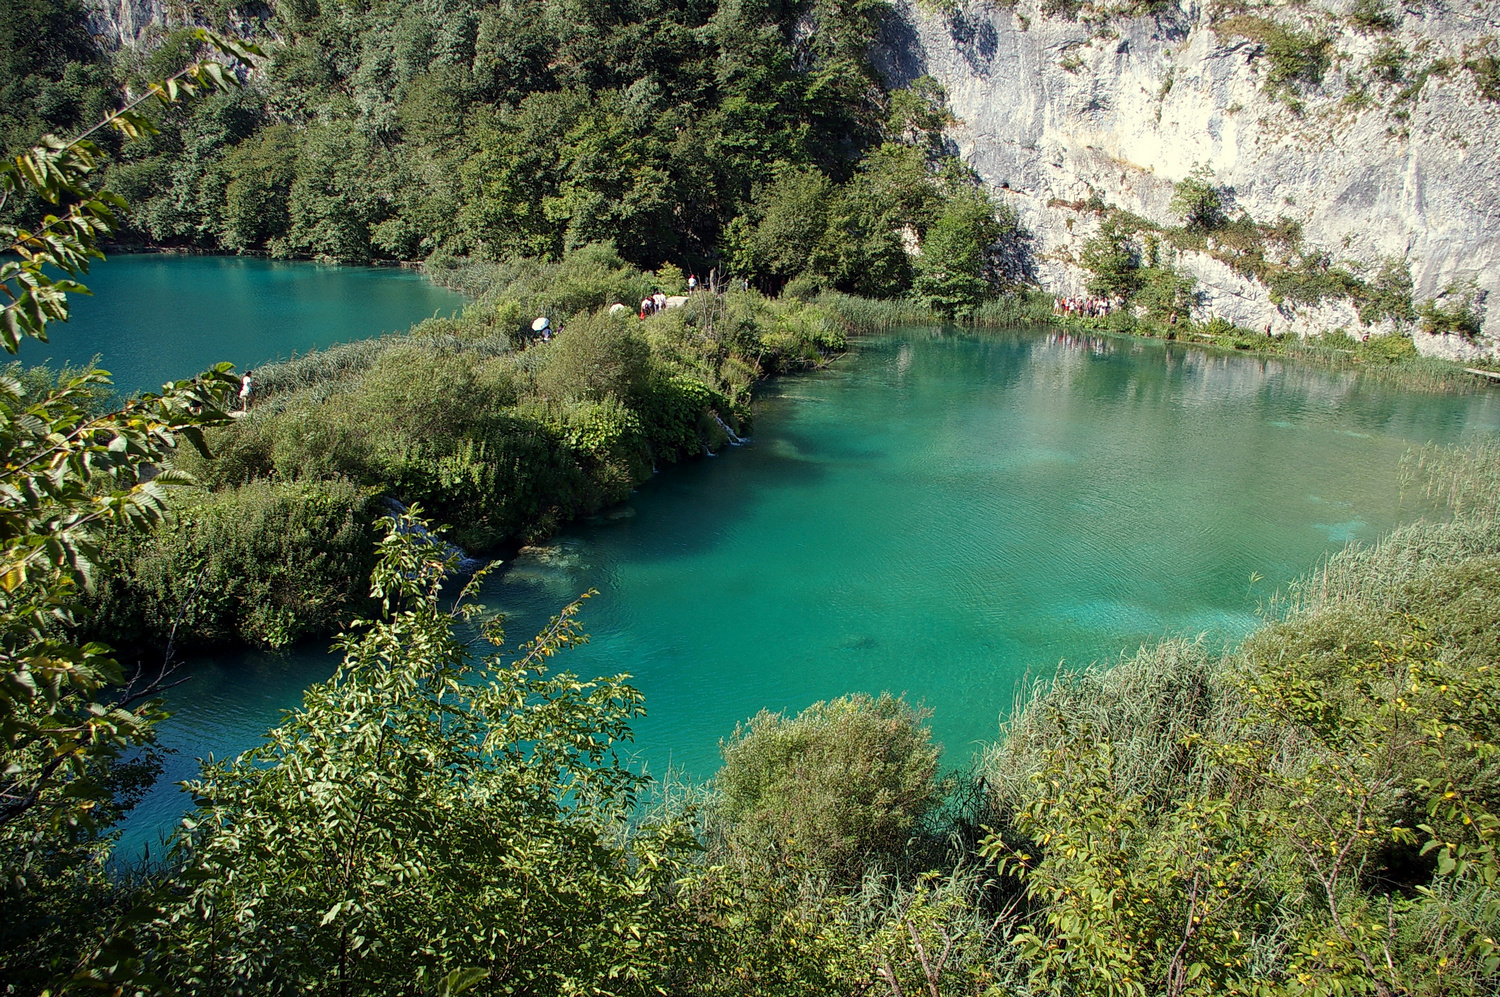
x,y
247,388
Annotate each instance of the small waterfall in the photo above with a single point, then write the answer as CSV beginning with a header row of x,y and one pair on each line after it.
x,y
734,440
466,565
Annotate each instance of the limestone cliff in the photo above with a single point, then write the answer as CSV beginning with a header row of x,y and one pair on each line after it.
x,y
126,22
1387,149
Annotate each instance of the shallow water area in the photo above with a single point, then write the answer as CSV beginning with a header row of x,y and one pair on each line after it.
x,y
937,514
158,317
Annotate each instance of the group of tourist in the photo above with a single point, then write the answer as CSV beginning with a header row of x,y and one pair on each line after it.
x,y
657,301
653,303
1084,307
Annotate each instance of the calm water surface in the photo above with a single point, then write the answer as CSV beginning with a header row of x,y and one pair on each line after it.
x,y
160,317
937,515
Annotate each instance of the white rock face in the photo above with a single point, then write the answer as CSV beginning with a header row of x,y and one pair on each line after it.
x,y
116,23
1052,112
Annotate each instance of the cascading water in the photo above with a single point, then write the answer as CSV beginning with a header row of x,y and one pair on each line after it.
x,y
466,565
734,439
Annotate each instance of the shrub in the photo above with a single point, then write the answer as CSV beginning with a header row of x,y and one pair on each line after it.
x,y
845,783
1312,280
670,279
594,357
478,810
1372,16
1114,261
1458,313
1389,63
590,277
1389,294
1199,201
267,563
1164,292
1486,70
1294,57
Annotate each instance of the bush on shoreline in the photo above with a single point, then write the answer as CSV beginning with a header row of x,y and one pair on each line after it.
x,y
504,436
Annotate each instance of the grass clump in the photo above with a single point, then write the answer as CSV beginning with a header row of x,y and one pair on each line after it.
x,y
1294,58
1372,16
1485,69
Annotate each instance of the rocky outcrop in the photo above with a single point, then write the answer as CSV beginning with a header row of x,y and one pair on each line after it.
x,y
119,23
1393,154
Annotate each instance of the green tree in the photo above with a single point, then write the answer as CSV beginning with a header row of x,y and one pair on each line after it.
x,y
1199,201
68,711
782,228
953,273
1113,259
426,819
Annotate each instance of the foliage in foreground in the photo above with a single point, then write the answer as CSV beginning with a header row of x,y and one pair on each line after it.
x,y
427,818
1314,812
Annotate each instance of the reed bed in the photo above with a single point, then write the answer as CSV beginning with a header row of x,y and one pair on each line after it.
x,y
872,315
339,362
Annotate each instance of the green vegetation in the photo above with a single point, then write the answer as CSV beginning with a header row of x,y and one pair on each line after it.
x,y
1460,315
1372,16
1485,67
956,272
1311,812
1126,260
263,563
468,416
1294,58
52,76
455,820
1199,200
752,136
843,787
1321,786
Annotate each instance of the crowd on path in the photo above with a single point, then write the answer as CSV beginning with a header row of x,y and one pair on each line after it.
x,y
1085,307
656,301
653,303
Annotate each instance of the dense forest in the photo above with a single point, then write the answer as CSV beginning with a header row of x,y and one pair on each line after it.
x,y
1314,812
752,136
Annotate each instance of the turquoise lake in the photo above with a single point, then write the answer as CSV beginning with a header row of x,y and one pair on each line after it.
x,y
937,514
157,317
